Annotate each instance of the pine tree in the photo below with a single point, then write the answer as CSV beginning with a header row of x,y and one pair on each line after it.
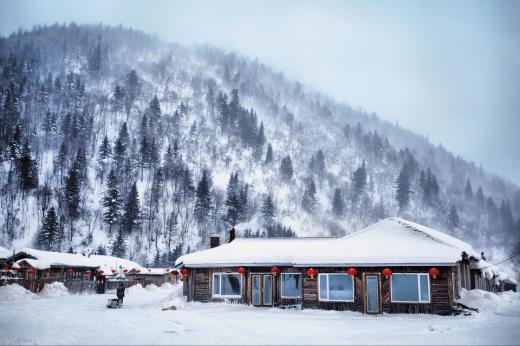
x,y
203,198
479,196
233,200
468,190
111,202
50,231
319,164
268,209
157,190
62,162
132,211
309,201
119,245
286,169
403,189
359,180
154,109
28,169
103,157
338,204
101,250
95,60
259,142
453,217
72,193
269,155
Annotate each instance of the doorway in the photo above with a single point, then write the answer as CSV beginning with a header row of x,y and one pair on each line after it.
x,y
262,289
372,296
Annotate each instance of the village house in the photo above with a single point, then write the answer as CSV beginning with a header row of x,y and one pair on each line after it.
x,y
393,266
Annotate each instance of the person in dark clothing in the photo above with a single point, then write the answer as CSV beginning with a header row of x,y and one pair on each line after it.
x,y
120,293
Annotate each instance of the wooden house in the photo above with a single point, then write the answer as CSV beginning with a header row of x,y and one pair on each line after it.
x,y
393,266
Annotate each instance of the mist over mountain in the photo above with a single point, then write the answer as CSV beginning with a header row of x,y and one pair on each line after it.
x,y
114,141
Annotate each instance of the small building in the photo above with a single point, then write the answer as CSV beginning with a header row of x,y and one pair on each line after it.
x,y
393,266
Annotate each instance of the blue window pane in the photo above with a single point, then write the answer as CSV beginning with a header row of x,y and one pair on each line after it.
x,y
340,287
291,285
404,288
425,296
216,284
230,285
323,287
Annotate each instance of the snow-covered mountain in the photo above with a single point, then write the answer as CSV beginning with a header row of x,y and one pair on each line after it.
x,y
211,140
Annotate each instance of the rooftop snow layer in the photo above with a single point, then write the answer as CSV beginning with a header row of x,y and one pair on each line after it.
x,y
392,241
4,253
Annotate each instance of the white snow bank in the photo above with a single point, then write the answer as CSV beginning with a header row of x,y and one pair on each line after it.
x,y
489,301
15,292
135,289
167,286
175,298
53,290
151,288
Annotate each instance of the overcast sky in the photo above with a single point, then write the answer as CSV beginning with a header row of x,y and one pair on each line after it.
x,y
446,69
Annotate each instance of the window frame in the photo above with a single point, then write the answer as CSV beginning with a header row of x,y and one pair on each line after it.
x,y
220,295
282,286
418,289
328,288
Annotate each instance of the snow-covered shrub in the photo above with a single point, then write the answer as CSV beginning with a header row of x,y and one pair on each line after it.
x,y
53,290
15,292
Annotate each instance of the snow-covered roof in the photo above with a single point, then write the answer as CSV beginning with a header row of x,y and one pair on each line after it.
x,y
45,259
392,241
149,271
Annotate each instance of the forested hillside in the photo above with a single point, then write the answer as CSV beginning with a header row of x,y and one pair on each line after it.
x,y
114,141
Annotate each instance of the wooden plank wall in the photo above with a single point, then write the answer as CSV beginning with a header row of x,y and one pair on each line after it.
x,y
441,291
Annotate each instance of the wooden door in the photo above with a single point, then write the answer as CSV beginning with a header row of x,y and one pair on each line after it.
x,y
372,294
262,290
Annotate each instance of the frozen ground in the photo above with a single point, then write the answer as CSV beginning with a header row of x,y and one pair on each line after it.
x,y
55,318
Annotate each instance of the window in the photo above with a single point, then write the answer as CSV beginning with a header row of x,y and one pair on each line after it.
x,y
227,285
411,288
336,287
291,285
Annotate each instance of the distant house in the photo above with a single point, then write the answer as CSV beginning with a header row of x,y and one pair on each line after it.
x,y
393,266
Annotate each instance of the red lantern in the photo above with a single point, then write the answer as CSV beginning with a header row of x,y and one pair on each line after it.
x,y
242,271
185,271
5,267
100,271
434,272
113,271
352,271
387,273
138,270
88,273
275,270
70,271
125,270
312,272
167,270
173,273
31,271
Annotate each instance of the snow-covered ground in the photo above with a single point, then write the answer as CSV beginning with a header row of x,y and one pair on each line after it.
x,y
55,318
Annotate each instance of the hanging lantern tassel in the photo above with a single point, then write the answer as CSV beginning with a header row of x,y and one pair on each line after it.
x,y
312,272
242,271
387,273
185,272
434,272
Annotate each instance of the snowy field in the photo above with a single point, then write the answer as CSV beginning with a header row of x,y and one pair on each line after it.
x,y
55,317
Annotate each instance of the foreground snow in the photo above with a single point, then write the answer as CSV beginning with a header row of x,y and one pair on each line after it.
x,y
83,319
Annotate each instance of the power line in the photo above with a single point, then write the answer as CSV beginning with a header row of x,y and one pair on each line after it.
x,y
502,261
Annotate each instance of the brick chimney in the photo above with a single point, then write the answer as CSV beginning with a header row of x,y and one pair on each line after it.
x,y
231,234
214,241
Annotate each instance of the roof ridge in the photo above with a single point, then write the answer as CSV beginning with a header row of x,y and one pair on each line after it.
x,y
406,224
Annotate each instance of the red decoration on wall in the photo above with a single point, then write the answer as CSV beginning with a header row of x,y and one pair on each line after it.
x,y
352,271
167,270
138,270
173,273
387,273
241,270
113,271
88,272
100,271
125,270
31,271
70,271
275,270
5,267
185,271
312,272
434,272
